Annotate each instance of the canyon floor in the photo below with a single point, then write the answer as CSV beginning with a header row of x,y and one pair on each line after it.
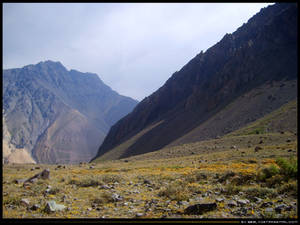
x,y
235,176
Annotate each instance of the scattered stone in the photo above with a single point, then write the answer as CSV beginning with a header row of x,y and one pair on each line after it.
x,y
243,202
116,197
290,207
261,141
232,203
200,208
269,210
51,206
280,207
92,167
104,187
147,182
233,147
64,198
257,148
126,161
266,204
35,207
290,150
45,174
33,180
25,202
89,209
220,199
139,214
288,140
19,181
257,199
182,203
26,185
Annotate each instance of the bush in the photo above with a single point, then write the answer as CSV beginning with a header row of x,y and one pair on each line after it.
x,y
288,168
260,192
232,189
175,191
289,188
105,197
267,172
196,177
89,182
111,178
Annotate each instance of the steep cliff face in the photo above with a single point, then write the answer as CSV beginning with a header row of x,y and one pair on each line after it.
x,y
58,115
261,51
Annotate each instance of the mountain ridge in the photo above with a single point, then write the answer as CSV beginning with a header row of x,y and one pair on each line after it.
x,y
37,96
239,62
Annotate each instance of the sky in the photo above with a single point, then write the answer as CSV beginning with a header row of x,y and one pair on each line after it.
x,y
133,47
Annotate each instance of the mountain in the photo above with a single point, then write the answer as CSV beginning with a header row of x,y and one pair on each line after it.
x,y
243,77
52,115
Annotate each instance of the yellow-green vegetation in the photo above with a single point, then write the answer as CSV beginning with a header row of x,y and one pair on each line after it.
x,y
150,187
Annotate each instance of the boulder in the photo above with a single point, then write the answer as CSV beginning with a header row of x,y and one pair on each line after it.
x,y
232,203
51,206
35,207
200,208
25,202
45,174
257,148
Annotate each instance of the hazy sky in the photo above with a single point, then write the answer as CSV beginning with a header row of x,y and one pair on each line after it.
x,y
133,47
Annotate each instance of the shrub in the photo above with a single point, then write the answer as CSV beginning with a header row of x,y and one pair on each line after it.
x,y
175,191
88,182
196,177
105,197
289,188
14,200
111,178
288,168
232,189
274,180
267,172
260,192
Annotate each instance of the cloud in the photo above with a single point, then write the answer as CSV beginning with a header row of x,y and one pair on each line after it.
x,y
133,47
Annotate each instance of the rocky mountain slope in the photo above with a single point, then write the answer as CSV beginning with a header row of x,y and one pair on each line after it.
x,y
53,115
260,57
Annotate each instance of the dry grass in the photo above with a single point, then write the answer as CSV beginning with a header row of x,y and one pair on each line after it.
x,y
153,186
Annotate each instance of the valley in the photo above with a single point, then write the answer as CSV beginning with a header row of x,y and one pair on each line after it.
x,y
218,140
164,185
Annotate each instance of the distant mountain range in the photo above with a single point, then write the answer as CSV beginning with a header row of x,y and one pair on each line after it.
x,y
245,76
52,115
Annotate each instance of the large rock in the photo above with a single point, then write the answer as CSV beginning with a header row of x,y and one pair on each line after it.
x,y
200,208
51,206
45,174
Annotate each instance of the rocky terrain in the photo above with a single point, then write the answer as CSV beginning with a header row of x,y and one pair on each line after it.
x,y
52,115
246,75
232,183
249,173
